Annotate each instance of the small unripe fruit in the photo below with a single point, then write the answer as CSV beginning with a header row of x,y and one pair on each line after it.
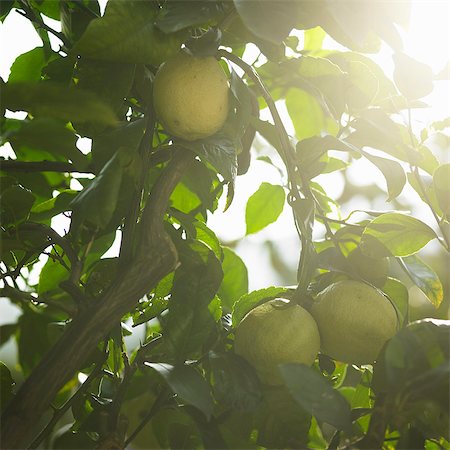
x,y
355,320
275,333
373,270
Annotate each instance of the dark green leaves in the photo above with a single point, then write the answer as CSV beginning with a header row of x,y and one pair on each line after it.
x,y
57,101
187,382
6,386
316,396
395,234
268,20
264,207
16,203
196,281
126,33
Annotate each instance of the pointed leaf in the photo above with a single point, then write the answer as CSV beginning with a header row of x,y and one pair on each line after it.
x,y
393,173
425,278
187,382
127,33
264,207
395,234
313,392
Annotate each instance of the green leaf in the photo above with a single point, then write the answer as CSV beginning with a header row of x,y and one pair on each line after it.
x,y
110,81
16,204
425,278
219,150
313,392
441,182
235,381
235,278
97,202
177,15
413,78
271,21
28,66
6,331
58,101
264,207
249,301
195,284
52,136
398,294
207,236
393,173
395,234
55,270
187,382
6,385
127,33
56,205
281,421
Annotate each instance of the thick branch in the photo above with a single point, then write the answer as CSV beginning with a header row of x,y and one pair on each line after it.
x,y
40,166
157,257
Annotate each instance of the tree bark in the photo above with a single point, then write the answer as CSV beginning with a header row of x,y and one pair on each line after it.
x,y
156,258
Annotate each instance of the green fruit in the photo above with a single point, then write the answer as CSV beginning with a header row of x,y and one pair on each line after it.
x,y
275,333
190,96
355,320
373,270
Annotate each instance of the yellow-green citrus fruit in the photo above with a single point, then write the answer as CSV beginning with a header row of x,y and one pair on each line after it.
x,y
275,333
373,270
355,320
190,96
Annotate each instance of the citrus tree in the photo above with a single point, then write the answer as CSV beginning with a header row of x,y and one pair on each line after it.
x,y
172,103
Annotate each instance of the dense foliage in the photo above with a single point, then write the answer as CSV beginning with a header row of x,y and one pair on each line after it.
x,y
184,386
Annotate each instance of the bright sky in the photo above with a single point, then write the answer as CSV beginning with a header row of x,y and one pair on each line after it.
x,y
428,40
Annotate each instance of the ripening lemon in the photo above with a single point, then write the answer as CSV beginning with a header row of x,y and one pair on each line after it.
x,y
275,333
190,96
355,320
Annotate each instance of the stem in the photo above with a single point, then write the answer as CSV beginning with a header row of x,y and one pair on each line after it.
x,y
156,258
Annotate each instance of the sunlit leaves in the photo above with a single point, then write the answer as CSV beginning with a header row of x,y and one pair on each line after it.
x,y
235,278
28,66
441,182
264,207
271,21
126,33
425,278
413,78
395,234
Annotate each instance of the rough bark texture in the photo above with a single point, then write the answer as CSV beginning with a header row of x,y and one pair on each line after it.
x,y
156,258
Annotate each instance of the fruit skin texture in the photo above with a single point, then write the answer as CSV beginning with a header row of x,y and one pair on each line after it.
x,y
190,96
355,320
274,333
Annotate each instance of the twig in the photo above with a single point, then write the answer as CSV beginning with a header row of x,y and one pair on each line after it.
x,y
31,15
160,400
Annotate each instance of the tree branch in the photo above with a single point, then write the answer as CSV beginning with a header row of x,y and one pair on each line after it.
x,y
156,258
40,166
